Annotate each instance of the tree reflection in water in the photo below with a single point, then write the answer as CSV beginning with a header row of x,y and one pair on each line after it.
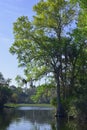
x,y
36,120
6,117
55,125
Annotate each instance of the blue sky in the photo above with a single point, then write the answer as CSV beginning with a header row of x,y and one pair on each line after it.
x,y
10,10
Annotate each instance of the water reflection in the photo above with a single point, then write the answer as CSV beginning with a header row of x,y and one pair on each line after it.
x,y
24,119
38,116
56,124
35,119
6,117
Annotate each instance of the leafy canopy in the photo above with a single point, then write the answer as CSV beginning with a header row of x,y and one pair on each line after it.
x,y
39,43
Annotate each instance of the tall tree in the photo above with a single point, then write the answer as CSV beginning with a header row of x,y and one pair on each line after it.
x,y
40,44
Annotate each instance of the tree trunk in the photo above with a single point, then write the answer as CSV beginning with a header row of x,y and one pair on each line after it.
x,y
58,97
60,111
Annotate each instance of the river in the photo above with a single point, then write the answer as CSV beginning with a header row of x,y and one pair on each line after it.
x,y
35,118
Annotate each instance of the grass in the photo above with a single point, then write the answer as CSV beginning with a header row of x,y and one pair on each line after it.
x,y
27,105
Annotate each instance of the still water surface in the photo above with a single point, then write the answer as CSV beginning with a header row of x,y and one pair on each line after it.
x,y
34,118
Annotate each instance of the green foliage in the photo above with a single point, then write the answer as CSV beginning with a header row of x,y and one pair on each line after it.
x,y
81,107
5,94
37,43
5,91
14,98
18,79
54,101
54,44
43,93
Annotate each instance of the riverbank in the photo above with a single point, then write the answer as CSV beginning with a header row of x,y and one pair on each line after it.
x,y
12,105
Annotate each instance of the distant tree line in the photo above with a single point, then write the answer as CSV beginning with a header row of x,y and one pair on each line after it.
x,y
17,94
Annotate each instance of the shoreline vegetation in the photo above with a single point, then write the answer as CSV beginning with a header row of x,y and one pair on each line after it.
x,y
12,105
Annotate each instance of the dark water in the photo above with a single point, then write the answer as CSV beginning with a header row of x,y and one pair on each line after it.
x,y
35,118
